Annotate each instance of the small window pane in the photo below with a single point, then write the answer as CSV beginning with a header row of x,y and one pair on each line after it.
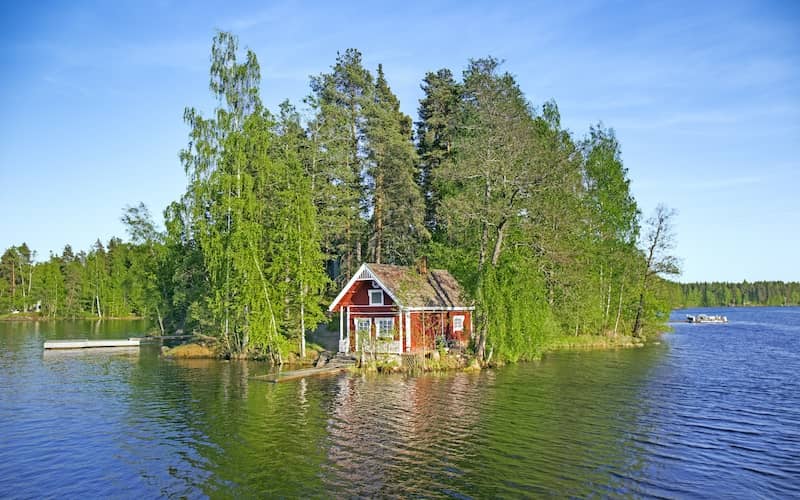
x,y
458,323
376,297
385,327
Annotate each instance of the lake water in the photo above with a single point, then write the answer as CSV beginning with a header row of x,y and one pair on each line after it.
x,y
711,411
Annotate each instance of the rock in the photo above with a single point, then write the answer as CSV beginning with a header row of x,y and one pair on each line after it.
x,y
322,360
474,366
186,351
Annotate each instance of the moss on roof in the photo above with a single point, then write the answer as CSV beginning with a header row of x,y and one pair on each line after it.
x,y
435,288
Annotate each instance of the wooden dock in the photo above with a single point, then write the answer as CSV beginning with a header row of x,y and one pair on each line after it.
x,y
129,342
87,344
298,374
328,366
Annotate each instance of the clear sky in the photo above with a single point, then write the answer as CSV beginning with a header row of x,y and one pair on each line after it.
x,y
704,97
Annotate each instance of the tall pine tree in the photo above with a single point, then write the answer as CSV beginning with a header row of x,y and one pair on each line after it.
x,y
397,224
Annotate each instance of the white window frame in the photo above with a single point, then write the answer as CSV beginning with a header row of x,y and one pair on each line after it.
x,y
458,323
373,303
367,322
378,322
368,331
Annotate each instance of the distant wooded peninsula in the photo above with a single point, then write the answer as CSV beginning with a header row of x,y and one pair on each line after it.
x,y
756,293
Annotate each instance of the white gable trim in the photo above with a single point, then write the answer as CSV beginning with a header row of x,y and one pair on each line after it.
x,y
364,273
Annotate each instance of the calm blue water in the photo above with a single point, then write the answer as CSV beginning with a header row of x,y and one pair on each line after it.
x,y
712,411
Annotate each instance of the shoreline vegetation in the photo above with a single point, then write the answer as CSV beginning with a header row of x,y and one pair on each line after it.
x,y
411,363
537,224
38,316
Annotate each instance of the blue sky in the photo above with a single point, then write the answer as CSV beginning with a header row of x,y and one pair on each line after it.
x,y
704,97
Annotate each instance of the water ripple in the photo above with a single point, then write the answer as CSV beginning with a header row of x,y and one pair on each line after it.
x,y
711,412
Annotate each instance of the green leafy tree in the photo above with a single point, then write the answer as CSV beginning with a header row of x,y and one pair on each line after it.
x,y
504,175
149,271
658,243
50,287
225,168
72,270
613,226
248,211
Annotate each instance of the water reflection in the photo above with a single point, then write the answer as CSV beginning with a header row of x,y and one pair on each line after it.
x,y
394,435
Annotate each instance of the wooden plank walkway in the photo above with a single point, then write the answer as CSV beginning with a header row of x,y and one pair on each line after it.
x,y
334,366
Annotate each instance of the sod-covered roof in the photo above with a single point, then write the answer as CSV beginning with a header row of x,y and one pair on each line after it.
x,y
434,288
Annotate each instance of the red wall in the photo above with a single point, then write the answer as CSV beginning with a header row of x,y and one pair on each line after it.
x,y
463,335
425,327
359,295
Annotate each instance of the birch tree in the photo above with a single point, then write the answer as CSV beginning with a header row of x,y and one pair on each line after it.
x,y
226,162
658,243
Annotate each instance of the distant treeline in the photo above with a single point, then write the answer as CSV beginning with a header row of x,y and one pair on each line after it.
x,y
107,281
757,293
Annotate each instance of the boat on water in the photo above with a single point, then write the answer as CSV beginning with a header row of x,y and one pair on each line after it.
x,y
706,318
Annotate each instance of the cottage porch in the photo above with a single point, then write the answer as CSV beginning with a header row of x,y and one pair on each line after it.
x,y
372,332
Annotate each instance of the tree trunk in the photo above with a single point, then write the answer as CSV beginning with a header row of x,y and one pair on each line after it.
x,y
484,245
160,321
619,309
481,349
348,260
637,324
660,221
498,244
378,214
302,329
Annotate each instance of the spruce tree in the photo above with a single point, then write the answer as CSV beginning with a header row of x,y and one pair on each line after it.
x,y
339,101
435,135
397,223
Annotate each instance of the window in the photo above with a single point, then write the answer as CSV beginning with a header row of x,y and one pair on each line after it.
x,y
362,325
384,327
458,323
376,297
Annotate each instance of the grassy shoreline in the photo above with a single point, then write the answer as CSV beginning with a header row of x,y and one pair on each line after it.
x,y
32,316
431,361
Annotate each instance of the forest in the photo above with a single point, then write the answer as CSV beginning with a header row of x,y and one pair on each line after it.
x,y
282,206
757,293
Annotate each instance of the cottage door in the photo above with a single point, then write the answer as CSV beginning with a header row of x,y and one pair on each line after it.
x,y
363,327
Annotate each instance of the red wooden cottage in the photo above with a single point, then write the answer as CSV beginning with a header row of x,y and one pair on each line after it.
x,y
396,309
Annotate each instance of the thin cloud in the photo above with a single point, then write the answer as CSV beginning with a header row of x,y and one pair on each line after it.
x,y
722,184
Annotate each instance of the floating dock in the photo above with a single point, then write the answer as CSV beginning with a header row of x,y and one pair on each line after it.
x,y
326,366
86,343
298,374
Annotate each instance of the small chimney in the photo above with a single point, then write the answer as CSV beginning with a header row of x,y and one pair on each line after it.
x,y
422,265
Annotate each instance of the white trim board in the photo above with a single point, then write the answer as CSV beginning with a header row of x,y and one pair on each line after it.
x,y
357,277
